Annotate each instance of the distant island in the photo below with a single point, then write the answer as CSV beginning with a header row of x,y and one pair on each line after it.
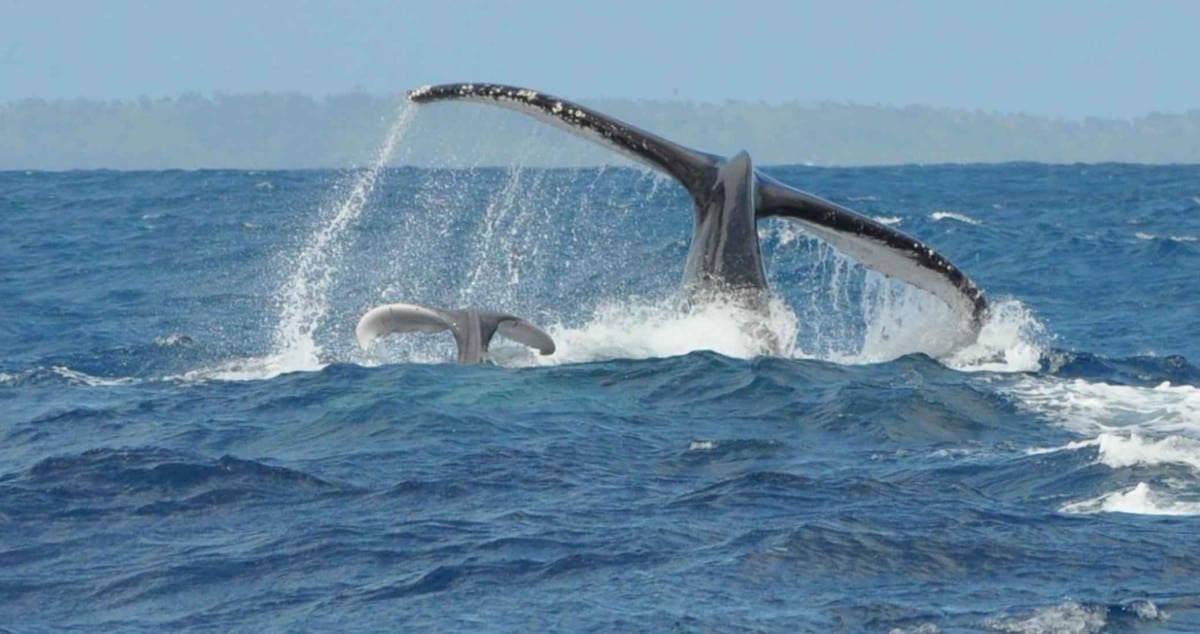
x,y
289,131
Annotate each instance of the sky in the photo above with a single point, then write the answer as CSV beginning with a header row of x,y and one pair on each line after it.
x,y
1066,59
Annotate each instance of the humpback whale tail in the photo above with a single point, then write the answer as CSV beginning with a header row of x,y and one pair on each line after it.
x,y
473,329
730,196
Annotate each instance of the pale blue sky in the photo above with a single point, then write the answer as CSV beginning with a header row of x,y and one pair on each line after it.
x,y
1066,58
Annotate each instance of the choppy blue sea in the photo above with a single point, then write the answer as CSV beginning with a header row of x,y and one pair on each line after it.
x,y
191,441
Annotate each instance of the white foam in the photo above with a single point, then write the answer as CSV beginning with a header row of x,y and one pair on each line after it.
x,y
633,330
1065,618
1093,408
74,377
953,215
1117,450
1011,340
255,368
89,380
1140,500
908,320
888,220
1141,235
1129,427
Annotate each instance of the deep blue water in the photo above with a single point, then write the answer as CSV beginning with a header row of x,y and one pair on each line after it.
x,y
189,439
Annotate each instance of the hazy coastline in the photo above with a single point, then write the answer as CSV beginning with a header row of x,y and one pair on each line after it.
x,y
291,131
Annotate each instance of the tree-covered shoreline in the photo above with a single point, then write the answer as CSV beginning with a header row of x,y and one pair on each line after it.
x,y
290,131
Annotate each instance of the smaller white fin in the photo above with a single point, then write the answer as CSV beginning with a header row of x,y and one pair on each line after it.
x,y
392,318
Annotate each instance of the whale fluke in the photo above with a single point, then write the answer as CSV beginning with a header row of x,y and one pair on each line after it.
x,y
730,195
473,329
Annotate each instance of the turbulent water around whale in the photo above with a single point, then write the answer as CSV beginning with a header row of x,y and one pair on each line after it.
x,y
191,440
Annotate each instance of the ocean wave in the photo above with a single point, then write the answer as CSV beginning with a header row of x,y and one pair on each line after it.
x,y
1117,450
1141,371
152,481
1140,500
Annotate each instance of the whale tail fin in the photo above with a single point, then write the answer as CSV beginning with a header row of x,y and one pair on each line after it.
x,y
692,168
875,245
520,331
473,330
399,318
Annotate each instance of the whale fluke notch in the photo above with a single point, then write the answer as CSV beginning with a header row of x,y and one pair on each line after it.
x,y
473,329
725,251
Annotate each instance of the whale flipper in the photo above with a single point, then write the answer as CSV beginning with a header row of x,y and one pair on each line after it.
x,y
473,330
730,196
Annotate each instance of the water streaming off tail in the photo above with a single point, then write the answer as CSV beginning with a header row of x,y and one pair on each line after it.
x,y
849,314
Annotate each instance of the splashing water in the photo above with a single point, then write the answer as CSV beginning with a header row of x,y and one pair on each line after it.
x,y
303,300
536,236
851,315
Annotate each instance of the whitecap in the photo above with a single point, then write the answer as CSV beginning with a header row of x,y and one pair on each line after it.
x,y
1140,500
1142,235
255,368
1093,408
82,378
953,215
1120,450
1065,618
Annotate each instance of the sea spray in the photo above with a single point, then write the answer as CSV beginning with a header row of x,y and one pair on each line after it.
x,y
492,239
303,301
